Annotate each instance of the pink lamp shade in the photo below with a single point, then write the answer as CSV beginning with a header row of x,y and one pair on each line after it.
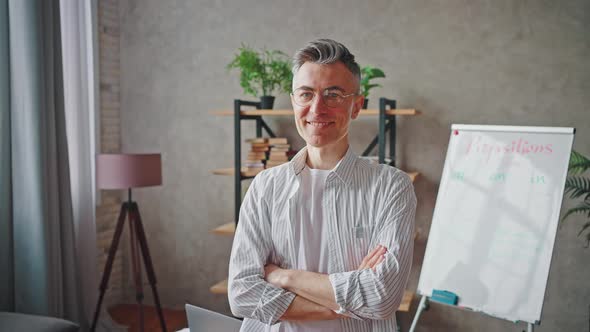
x,y
123,171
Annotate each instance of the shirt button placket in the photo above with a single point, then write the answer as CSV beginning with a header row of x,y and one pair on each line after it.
x,y
330,212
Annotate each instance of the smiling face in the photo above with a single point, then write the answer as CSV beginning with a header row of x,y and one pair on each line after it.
x,y
318,124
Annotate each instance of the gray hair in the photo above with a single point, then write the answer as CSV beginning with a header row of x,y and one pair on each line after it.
x,y
326,51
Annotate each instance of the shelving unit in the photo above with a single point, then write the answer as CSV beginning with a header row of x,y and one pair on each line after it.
x,y
251,174
290,112
386,134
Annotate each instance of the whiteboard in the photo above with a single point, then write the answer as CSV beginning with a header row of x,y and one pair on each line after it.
x,y
496,217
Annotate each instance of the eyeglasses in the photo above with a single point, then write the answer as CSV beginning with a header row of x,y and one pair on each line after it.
x,y
331,97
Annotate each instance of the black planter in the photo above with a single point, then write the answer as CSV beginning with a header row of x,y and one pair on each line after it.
x,y
267,102
365,103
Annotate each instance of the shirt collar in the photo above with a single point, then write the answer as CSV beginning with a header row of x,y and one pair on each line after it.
x,y
343,170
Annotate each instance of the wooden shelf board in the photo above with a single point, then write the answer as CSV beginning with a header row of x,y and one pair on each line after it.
x,y
225,229
230,171
406,301
290,112
221,288
409,111
229,229
255,112
249,173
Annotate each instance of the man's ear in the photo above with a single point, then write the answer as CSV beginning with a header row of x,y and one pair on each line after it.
x,y
357,106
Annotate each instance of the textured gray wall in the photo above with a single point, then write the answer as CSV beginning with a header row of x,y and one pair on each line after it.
x,y
482,62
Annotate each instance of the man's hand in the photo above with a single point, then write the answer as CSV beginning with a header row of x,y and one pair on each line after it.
x,y
274,275
373,258
301,308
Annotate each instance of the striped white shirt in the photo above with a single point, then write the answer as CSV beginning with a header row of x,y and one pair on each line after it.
x,y
365,205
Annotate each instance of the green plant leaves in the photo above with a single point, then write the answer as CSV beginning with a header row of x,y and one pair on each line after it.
x,y
583,208
263,72
372,72
586,227
367,74
577,186
578,163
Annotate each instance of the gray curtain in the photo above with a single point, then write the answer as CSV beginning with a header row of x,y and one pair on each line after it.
x,y
6,278
36,225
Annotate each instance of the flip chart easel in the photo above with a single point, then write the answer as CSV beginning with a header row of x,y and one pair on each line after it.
x,y
495,219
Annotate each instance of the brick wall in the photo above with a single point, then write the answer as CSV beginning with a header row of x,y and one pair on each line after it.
x,y
110,142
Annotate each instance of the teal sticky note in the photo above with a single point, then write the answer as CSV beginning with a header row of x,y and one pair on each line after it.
x,y
444,297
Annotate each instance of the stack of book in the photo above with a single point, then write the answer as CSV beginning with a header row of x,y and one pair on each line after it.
x,y
257,154
279,147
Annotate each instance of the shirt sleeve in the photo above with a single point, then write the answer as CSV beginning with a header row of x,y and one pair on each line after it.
x,y
369,294
250,296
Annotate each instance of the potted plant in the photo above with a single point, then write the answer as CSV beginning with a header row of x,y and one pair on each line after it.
x,y
262,73
367,74
577,186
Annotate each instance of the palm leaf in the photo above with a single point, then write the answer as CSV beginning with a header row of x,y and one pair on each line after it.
x,y
585,227
577,186
583,207
578,163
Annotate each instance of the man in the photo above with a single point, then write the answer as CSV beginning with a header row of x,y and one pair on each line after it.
x,y
324,242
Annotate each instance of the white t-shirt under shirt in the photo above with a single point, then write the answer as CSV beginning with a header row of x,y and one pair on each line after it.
x,y
311,241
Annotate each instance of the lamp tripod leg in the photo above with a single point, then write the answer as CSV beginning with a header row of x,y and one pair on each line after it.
x,y
110,259
136,265
148,262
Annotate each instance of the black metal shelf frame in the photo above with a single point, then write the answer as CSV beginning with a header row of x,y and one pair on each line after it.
x,y
386,124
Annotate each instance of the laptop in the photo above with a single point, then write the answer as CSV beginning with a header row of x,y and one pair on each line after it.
x,y
203,320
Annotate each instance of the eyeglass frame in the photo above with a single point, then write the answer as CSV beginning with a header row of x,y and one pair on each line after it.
x,y
323,95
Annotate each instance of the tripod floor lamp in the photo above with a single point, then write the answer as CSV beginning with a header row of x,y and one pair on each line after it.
x,y
127,171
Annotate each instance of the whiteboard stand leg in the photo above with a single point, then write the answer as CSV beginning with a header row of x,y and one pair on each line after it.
x,y
530,327
421,307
